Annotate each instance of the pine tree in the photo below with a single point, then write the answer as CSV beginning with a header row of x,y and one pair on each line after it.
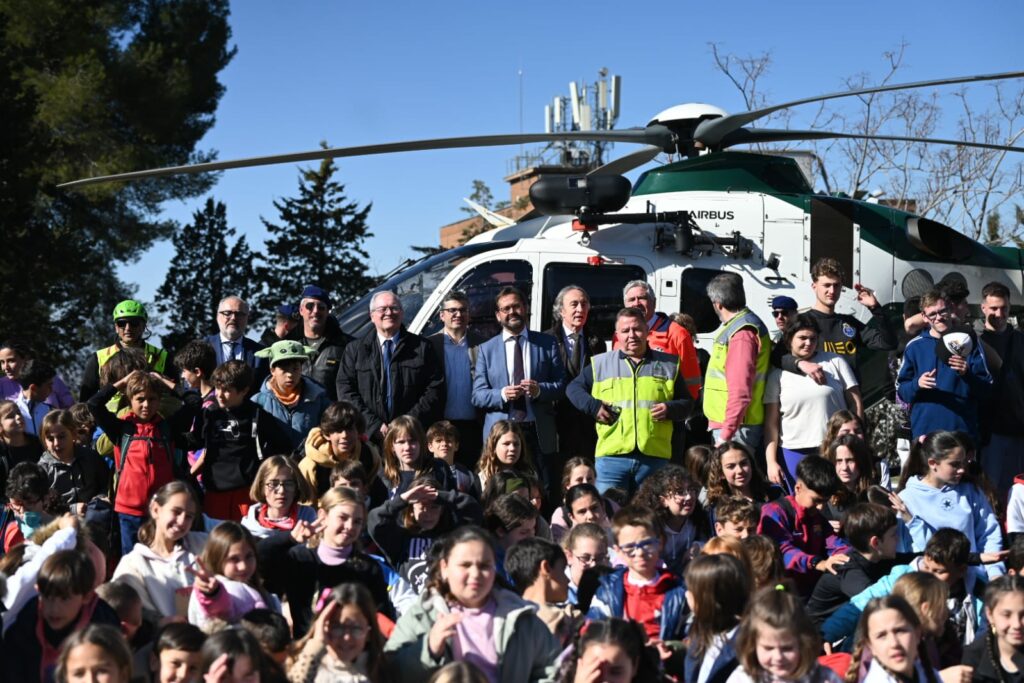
x,y
319,240
203,272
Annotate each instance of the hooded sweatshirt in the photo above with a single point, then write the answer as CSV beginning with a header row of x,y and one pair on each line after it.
x,y
163,583
962,507
230,602
953,403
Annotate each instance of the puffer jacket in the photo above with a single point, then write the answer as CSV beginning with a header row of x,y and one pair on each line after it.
x,y
524,644
301,418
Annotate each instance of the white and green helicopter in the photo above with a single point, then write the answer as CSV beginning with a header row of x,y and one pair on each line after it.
x,y
680,224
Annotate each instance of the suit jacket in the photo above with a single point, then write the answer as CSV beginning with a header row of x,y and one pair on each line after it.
x,y
417,380
546,368
576,432
260,366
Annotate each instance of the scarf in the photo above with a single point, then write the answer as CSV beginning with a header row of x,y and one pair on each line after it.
x,y
287,399
332,557
50,653
285,524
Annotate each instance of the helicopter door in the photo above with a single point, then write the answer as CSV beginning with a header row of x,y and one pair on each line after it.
x,y
603,284
784,247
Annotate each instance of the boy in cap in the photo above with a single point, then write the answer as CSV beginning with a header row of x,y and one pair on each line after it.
x,y
286,319
293,399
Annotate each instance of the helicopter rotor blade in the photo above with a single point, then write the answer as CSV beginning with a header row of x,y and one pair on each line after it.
x,y
628,162
657,135
713,131
753,135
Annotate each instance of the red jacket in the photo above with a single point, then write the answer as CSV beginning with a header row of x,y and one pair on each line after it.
x,y
643,603
670,337
145,468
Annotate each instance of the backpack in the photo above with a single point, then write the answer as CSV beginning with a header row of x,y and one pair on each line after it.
x,y
177,456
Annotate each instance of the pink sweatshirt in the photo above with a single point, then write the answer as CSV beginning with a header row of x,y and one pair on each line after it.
x,y
740,369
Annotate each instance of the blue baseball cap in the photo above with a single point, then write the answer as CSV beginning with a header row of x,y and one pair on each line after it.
x,y
314,292
288,311
784,303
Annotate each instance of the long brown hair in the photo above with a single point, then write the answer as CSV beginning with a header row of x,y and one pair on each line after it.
x,y
720,586
779,608
861,635
354,594
403,426
147,532
218,545
865,459
489,464
718,487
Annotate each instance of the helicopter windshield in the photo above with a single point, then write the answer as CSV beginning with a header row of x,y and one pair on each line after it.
x,y
413,284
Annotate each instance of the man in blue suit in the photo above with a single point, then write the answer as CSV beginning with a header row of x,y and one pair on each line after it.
x,y
519,376
232,344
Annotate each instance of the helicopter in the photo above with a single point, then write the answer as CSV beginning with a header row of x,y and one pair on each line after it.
x,y
680,224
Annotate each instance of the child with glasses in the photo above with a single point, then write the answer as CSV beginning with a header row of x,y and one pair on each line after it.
x,y
586,548
275,495
237,434
672,495
642,590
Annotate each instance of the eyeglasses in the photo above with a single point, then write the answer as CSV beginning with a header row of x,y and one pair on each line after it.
x,y
314,306
342,630
684,494
511,308
587,559
129,322
646,547
388,309
779,313
277,484
234,314
454,311
941,313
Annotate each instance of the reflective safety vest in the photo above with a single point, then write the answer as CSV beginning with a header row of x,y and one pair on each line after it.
x,y
716,390
156,358
634,390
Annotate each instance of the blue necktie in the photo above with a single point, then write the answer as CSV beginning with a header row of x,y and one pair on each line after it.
x,y
388,352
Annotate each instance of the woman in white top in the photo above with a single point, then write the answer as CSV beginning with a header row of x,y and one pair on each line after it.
x,y
797,407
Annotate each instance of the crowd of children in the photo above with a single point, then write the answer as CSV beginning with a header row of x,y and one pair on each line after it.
x,y
220,531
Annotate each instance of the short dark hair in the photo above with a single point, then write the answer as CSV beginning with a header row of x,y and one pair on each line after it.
x,y
270,628
949,547
522,563
509,291
348,470
634,515
35,372
508,512
443,429
234,374
456,295
631,312
1015,556
819,475
178,636
197,355
828,267
802,321
341,416
120,596
66,573
996,289
864,521
26,481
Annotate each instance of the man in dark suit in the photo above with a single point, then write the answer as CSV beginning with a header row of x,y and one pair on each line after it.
x,y
391,371
519,376
232,344
455,346
576,346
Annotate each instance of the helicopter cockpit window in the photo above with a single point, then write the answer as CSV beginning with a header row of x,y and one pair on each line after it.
x,y
481,285
603,284
694,292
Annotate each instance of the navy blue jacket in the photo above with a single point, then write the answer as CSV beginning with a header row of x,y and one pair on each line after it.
x,y
610,601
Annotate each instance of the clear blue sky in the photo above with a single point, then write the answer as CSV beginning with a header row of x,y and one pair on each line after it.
x,y
358,73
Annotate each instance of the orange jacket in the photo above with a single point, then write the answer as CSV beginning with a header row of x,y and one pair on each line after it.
x,y
670,337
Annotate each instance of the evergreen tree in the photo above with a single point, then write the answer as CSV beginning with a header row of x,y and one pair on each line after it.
x,y
319,240
90,88
203,272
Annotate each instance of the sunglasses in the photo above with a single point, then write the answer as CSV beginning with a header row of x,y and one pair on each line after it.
x,y
779,313
314,306
129,322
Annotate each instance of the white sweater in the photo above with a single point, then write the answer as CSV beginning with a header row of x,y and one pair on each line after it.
x,y
158,580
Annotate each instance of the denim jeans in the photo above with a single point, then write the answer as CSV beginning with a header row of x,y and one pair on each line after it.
x,y
626,471
129,525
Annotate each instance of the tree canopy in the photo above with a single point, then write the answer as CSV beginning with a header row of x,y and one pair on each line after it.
x,y
85,89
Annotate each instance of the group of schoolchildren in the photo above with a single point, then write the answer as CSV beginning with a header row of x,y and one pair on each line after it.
x,y
254,533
